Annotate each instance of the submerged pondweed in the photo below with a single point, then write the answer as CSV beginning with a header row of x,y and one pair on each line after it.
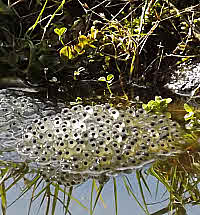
x,y
83,141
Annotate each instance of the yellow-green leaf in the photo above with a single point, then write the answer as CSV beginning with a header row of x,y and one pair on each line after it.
x,y
188,108
83,40
92,46
93,33
60,31
64,51
56,30
102,79
110,77
78,48
168,100
68,52
82,52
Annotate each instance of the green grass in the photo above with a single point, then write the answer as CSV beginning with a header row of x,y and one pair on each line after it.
x,y
180,178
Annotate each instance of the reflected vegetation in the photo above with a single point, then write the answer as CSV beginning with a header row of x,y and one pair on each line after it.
x,y
179,175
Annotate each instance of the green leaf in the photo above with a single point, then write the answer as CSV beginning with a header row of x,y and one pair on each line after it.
x,y
158,98
55,198
115,194
189,116
110,77
57,31
62,30
3,198
188,108
168,100
144,106
92,46
102,79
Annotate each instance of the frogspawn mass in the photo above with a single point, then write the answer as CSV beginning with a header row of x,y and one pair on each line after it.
x,y
73,144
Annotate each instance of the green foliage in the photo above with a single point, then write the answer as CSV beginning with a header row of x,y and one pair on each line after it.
x,y
158,105
180,176
72,51
192,118
108,81
3,198
60,7
60,32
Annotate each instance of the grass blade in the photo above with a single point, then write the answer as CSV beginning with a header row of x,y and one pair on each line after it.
x,y
38,18
76,200
52,17
157,186
48,194
91,195
101,198
56,191
129,190
31,200
21,176
145,183
115,193
161,179
26,189
138,176
68,199
44,189
97,197
3,198
42,201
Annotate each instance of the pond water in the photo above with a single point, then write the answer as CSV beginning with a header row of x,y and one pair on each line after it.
x,y
126,204
18,112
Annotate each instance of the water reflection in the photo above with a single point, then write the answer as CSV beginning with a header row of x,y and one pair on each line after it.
x,y
35,134
158,198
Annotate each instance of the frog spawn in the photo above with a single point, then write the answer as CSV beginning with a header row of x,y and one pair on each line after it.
x,y
82,142
69,179
16,112
97,140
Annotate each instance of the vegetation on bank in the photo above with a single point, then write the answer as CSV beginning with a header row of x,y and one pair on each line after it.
x,y
74,50
65,45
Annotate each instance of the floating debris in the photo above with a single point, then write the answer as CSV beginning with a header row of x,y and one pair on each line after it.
x,y
85,141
